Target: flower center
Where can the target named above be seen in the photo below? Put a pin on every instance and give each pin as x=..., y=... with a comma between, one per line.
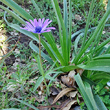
x=38, y=29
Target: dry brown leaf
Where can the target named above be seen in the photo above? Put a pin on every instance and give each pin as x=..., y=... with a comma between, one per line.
x=71, y=74
x=69, y=105
x=11, y=86
x=68, y=81
x=79, y=95
x=72, y=94
x=40, y=98
x=80, y=71
x=59, y=107
x=62, y=93
x=63, y=86
x=54, y=90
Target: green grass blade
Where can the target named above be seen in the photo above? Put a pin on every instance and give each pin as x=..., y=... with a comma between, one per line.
x=63, y=38
x=70, y=29
x=65, y=17
x=100, y=52
x=15, y=7
x=107, y=50
x=108, y=6
x=97, y=41
x=25, y=103
x=87, y=23
x=38, y=82
x=76, y=42
x=103, y=44
x=49, y=78
x=11, y=109
x=37, y=9
x=13, y=14
x=102, y=22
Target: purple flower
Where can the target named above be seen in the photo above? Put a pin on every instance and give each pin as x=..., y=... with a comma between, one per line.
x=39, y=26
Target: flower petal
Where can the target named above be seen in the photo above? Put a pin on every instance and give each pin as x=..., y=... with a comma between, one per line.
x=42, y=20
x=46, y=21
x=45, y=31
x=46, y=24
x=40, y=23
x=32, y=23
x=35, y=22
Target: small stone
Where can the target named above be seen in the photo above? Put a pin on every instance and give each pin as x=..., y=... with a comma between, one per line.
x=78, y=17
x=17, y=51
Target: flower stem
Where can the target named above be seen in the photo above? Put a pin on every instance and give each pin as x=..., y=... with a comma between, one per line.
x=41, y=65
x=40, y=49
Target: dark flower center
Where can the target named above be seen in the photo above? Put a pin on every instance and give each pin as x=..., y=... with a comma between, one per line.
x=38, y=29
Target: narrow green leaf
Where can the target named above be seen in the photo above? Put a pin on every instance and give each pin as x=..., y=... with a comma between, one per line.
x=100, y=76
x=36, y=49
x=63, y=38
x=88, y=22
x=13, y=14
x=101, y=23
x=90, y=95
x=27, y=33
x=15, y=7
x=49, y=77
x=82, y=31
x=107, y=50
x=25, y=103
x=67, y=68
x=54, y=48
x=84, y=92
x=54, y=76
x=99, y=103
x=37, y=9
x=38, y=82
x=11, y=109
x=108, y=7
x=103, y=44
x=100, y=51
x=97, y=65
x=65, y=16
x=40, y=65
x=70, y=29
x=76, y=42
x=104, y=56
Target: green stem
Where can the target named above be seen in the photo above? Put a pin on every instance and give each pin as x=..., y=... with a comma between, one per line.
x=41, y=64
x=40, y=49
